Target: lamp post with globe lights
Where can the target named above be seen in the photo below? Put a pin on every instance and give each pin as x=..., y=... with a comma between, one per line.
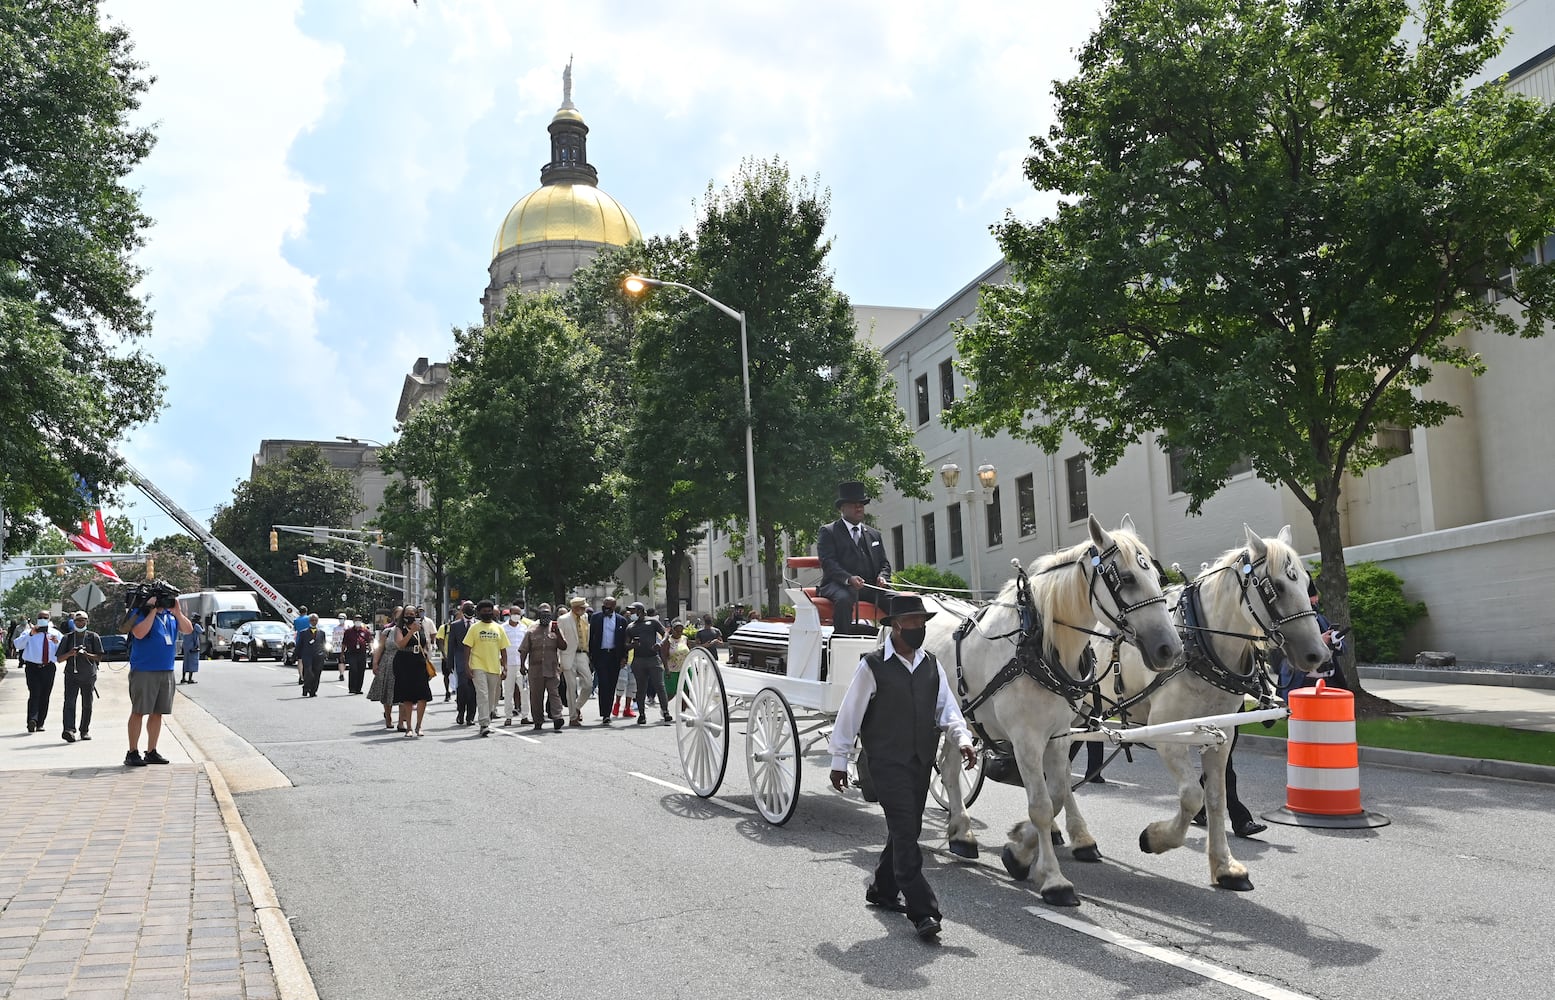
x=987, y=478
x=637, y=284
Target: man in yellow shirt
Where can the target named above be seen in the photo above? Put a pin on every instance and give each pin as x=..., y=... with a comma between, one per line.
x=487, y=645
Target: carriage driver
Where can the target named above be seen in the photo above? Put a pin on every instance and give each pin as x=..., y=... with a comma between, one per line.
x=853, y=562
x=896, y=704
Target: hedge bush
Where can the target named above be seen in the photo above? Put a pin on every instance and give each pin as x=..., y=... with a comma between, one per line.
x=1379, y=613
x=921, y=576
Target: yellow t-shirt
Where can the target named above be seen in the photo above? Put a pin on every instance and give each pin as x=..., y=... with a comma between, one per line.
x=486, y=640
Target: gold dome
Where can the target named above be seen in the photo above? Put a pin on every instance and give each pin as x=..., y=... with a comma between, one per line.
x=566, y=213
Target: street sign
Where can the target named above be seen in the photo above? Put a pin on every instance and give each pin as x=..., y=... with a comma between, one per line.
x=89, y=596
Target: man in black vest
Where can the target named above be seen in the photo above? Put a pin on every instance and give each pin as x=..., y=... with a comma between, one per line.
x=896, y=704
x=853, y=560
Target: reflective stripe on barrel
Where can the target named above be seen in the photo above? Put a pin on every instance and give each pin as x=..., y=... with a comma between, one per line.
x=1322, y=771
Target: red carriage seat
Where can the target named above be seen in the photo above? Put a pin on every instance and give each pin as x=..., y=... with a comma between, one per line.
x=865, y=611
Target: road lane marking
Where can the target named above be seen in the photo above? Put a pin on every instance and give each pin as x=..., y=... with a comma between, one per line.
x=1235, y=980
x=507, y=731
x=682, y=789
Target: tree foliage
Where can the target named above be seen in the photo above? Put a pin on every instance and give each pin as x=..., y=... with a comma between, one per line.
x=300, y=489
x=70, y=311
x=423, y=500
x=1275, y=220
x=543, y=481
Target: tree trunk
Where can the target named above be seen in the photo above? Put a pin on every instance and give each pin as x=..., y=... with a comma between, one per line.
x=1334, y=582
x=772, y=569
x=674, y=566
x=439, y=580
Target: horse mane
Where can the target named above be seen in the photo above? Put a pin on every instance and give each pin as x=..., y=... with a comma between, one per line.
x=1060, y=592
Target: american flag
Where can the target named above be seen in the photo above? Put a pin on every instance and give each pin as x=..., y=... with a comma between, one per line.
x=94, y=538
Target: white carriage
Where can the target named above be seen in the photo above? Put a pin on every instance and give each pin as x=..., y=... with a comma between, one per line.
x=784, y=683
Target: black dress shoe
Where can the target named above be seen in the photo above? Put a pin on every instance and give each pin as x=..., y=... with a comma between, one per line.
x=85, y=735
x=1251, y=828
x=152, y=757
x=1199, y=820
x=880, y=901
x=69, y=736
x=928, y=928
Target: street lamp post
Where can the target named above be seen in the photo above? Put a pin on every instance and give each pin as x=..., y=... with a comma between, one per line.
x=988, y=478
x=636, y=284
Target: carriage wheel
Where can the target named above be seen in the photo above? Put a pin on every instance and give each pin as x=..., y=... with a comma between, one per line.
x=772, y=756
x=971, y=781
x=702, y=723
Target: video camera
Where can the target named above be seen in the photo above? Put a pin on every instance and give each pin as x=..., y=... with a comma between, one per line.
x=163, y=593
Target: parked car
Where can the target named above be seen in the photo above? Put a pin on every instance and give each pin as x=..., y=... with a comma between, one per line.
x=261, y=640
x=115, y=646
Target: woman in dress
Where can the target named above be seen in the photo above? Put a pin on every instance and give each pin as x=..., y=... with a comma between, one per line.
x=411, y=686
x=382, y=689
x=677, y=648
x=190, y=645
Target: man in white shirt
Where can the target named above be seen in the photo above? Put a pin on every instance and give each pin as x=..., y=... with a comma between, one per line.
x=577, y=677
x=37, y=650
x=897, y=703
x=515, y=685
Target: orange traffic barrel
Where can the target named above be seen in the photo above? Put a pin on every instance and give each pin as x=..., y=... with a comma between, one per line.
x=1322, y=763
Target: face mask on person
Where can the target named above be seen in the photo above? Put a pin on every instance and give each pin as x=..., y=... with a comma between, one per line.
x=913, y=638
x=512, y=619
x=545, y=616
x=43, y=623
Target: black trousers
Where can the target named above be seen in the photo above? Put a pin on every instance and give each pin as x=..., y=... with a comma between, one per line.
x=844, y=603
x=40, y=687
x=312, y=667
x=464, y=698
x=903, y=790
x=1095, y=755
x=356, y=668
x=650, y=681
x=81, y=685
x=1235, y=810
x=607, y=673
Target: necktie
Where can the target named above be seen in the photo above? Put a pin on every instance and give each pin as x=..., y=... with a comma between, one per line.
x=46, y=660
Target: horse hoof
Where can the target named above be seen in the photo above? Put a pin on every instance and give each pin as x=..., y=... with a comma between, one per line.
x=1236, y=883
x=1018, y=871
x=964, y=849
x=1058, y=839
x=1144, y=841
x=1089, y=853
x=1065, y=896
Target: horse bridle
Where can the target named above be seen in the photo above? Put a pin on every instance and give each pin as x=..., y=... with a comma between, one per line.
x=1247, y=576
x=1105, y=569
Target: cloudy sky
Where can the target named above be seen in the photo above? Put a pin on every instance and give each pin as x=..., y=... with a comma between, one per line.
x=329, y=176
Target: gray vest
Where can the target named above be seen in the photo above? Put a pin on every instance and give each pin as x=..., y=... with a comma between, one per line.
x=900, y=723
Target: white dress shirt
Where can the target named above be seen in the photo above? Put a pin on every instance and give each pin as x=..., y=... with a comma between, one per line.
x=947, y=711
x=29, y=648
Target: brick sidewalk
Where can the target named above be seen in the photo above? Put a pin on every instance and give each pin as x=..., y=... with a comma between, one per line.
x=120, y=882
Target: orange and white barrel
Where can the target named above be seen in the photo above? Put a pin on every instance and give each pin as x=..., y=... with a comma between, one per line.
x=1322, y=762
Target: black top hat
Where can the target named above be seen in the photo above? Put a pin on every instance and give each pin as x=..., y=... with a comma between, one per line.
x=851, y=492
x=905, y=604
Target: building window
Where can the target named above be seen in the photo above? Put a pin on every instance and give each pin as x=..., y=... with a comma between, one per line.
x=1178, y=475
x=995, y=520
x=929, y=555
x=1396, y=440
x=716, y=601
x=739, y=579
x=726, y=587
x=1074, y=472
x=899, y=546
x=921, y=392
x=1026, y=500
x=947, y=384
x=953, y=525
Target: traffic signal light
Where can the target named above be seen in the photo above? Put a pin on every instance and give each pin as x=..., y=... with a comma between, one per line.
x=59, y=567
x=275, y=541
x=151, y=568
x=302, y=565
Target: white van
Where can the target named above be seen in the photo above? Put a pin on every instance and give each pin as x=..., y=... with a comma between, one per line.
x=221, y=612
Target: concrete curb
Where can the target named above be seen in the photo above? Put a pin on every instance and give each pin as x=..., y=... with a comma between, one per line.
x=293, y=981
x=1439, y=763
x=1432, y=675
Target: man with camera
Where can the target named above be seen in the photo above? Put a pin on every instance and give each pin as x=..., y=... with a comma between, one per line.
x=79, y=651
x=156, y=621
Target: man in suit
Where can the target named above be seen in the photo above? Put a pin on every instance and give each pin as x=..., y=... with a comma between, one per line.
x=897, y=703
x=310, y=654
x=577, y=680
x=607, y=646
x=853, y=561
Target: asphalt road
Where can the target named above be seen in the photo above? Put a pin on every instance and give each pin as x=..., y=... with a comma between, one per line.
x=458, y=867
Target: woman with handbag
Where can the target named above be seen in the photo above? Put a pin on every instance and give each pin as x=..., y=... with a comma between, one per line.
x=413, y=671
x=382, y=689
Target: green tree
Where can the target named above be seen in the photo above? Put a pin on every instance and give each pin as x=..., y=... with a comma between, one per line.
x=421, y=507
x=32, y=593
x=300, y=489
x=1276, y=219
x=823, y=408
x=542, y=482
x=70, y=311
x=671, y=455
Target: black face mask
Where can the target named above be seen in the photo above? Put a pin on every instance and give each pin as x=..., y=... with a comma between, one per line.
x=544, y=618
x=913, y=638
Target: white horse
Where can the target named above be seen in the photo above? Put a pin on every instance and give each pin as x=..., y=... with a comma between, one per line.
x=1039, y=626
x=1248, y=599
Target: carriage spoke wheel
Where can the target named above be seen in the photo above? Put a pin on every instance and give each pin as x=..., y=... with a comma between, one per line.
x=772, y=756
x=702, y=723
x=971, y=781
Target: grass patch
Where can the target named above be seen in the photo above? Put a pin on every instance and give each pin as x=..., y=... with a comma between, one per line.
x=1456, y=739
